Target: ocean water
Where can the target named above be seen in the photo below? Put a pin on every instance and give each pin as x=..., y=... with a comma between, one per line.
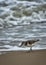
x=22, y=20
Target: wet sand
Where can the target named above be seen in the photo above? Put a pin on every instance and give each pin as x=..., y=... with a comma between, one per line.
x=24, y=58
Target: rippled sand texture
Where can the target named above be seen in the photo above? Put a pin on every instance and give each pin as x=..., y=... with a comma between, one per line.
x=22, y=20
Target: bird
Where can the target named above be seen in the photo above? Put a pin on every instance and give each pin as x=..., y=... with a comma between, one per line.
x=28, y=43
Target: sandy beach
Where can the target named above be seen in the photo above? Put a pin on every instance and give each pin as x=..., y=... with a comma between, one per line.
x=24, y=58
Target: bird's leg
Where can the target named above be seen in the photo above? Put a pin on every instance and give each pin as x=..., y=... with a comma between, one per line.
x=31, y=48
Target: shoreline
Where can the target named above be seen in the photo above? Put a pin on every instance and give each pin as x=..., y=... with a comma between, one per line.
x=24, y=58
